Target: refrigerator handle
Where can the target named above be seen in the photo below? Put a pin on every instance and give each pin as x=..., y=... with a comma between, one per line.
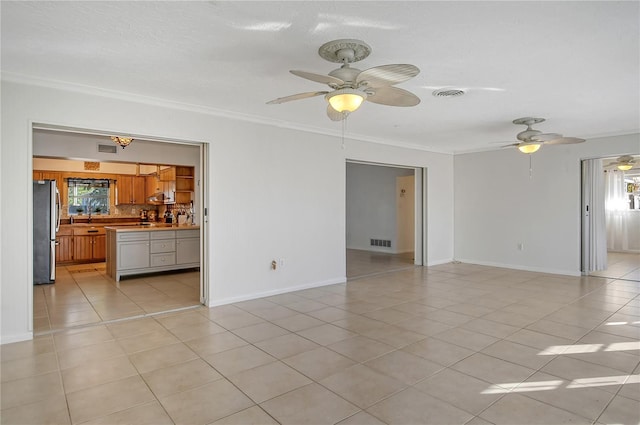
x=59, y=210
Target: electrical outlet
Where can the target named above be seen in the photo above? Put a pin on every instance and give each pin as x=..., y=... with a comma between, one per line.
x=281, y=262
x=520, y=246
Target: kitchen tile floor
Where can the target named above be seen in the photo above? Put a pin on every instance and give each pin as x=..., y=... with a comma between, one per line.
x=450, y=344
x=83, y=295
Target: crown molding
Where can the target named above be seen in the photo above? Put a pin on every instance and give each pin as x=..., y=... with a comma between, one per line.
x=201, y=109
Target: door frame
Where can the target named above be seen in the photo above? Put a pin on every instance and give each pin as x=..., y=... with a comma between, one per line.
x=420, y=214
x=201, y=193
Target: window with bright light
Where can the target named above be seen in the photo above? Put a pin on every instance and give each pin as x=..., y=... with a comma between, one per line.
x=88, y=196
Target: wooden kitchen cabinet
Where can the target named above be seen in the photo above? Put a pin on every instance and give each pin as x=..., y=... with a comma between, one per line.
x=99, y=248
x=50, y=175
x=168, y=174
x=82, y=248
x=153, y=185
x=130, y=190
x=177, y=183
x=185, y=184
x=64, y=245
x=89, y=244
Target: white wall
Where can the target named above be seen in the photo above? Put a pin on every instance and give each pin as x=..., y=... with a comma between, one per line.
x=274, y=193
x=498, y=206
x=371, y=205
x=62, y=144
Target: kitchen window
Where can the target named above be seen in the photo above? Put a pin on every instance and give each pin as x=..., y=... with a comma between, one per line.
x=88, y=196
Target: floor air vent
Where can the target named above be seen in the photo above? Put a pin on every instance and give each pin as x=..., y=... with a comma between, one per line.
x=107, y=148
x=381, y=242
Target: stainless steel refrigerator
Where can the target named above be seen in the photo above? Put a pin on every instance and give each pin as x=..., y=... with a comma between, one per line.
x=46, y=223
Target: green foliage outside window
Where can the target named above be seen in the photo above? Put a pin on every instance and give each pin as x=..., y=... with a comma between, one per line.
x=90, y=196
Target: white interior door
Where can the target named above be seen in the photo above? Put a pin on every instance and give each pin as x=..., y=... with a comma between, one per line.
x=594, y=230
x=405, y=214
x=204, y=223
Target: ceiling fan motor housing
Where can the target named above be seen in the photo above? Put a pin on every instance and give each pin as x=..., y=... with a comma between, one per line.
x=346, y=74
x=528, y=134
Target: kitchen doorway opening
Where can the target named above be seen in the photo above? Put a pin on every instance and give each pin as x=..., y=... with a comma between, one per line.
x=83, y=293
x=385, y=218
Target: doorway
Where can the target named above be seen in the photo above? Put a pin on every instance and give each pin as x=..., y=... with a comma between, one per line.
x=83, y=294
x=611, y=220
x=384, y=218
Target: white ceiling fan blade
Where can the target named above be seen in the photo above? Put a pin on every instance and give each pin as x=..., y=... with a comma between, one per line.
x=296, y=97
x=335, y=115
x=564, y=141
x=318, y=78
x=393, y=96
x=387, y=75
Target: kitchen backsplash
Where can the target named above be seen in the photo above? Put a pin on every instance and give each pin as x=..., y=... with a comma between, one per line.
x=118, y=210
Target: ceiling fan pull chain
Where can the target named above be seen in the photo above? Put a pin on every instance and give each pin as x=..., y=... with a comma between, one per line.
x=530, y=166
x=344, y=127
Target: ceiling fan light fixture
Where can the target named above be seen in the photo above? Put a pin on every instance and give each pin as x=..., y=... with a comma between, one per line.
x=625, y=167
x=122, y=141
x=346, y=100
x=529, y=147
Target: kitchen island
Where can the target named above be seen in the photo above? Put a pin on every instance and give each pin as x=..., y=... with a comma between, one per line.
x=151, y=248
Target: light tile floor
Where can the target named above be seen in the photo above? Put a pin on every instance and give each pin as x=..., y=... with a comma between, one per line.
x=621, y=265
x=83, y=294
x=451, y=344
x=366, y=263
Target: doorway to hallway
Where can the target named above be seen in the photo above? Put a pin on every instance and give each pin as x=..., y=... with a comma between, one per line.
x=384, y=218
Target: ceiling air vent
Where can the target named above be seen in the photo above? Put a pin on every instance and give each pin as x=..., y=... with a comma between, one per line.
x=448, y=92
x=107, y=148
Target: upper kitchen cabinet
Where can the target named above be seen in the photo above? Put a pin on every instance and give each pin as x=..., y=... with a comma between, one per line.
x=162, y=191
x=168, y=174
x=184, y=184
x=178, y=184
x=130, y=190
x=58, y=177
x=49, y=175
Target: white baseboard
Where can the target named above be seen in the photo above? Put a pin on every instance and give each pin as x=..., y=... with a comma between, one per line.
x=381, y=249
x=16, y=338
x=438, y=262
x=521, y=267
x=255, y=295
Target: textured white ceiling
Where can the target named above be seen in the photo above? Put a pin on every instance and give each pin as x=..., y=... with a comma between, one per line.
x=575, y=63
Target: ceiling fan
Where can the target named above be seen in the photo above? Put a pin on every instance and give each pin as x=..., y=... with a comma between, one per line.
x=531, y=140
x=350, y=86
x=624, y=163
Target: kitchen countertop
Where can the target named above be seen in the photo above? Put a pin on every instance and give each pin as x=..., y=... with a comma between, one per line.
x=138, y=227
